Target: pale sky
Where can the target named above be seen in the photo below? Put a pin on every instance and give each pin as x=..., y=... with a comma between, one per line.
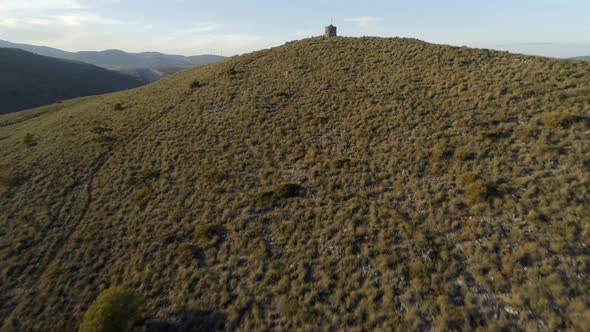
x=557, y=28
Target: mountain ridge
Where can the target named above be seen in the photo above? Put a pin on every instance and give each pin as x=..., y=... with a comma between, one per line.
x=158, y=64
x=29, y=80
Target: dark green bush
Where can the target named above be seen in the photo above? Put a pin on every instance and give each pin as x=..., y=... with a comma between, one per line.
x=115, y=309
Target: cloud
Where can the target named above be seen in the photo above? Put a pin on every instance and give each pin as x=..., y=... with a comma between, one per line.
x=21, y=5
x=84, y=18
x=54, y=21
x=366, y=22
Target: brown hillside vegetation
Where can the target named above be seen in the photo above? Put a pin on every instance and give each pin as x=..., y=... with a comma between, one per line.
x=346, y=183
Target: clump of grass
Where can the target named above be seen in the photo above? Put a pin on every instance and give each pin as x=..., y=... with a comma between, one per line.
x=101, y=130
x=464, y=154
x=187, y=253
x=280, y=192
x=29, y=140
x=475, y=189
x=141, y=197
x=115, y=309
x=558, y=119
x=209, y=233
x=341, y=163
x=13, y=180
x=142, y=177
x=440, y=152
x=104, y=139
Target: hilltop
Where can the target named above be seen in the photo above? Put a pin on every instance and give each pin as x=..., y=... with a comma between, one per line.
x=29, y=80
x=146, y=66
x=345, y=183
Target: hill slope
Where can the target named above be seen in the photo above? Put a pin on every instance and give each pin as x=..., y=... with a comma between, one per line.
x=328, y=183
x=29, y=80
x=584, y=57
x=147, y=66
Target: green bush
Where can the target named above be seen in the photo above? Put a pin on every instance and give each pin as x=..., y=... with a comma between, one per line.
x=115, y=309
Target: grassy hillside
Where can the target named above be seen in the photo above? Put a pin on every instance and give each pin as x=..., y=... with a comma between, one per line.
x=29, y=80
x=328, y=183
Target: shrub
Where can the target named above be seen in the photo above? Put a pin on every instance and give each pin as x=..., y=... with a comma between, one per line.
x=29, y=140
x=232, y=71
x=196, y=84
x=119, y=107
x=115, y=309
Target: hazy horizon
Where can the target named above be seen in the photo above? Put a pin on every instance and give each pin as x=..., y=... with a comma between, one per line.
x=548, y=27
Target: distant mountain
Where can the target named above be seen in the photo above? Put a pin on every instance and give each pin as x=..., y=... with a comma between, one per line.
x=29, y=80
x=587, y=57
x=147, y=66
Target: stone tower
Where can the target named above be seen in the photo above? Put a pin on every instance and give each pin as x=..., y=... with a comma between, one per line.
x=330, y=31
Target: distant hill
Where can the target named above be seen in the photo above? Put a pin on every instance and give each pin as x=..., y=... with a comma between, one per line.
x=147, y=66
x=29, y=80
x=587, y=57
x=344, y=184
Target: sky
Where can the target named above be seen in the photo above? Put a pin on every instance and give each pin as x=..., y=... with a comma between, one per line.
x=555, y=28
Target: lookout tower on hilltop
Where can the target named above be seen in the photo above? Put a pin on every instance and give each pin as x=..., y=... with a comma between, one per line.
x=331, y=31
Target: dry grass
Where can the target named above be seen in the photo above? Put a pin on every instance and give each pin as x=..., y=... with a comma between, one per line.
x=349, y=184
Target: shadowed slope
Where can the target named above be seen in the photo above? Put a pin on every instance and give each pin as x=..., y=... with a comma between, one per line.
x=325, y=183
x=29, y=80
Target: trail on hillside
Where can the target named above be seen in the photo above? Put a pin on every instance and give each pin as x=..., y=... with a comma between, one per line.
x=95, y=167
